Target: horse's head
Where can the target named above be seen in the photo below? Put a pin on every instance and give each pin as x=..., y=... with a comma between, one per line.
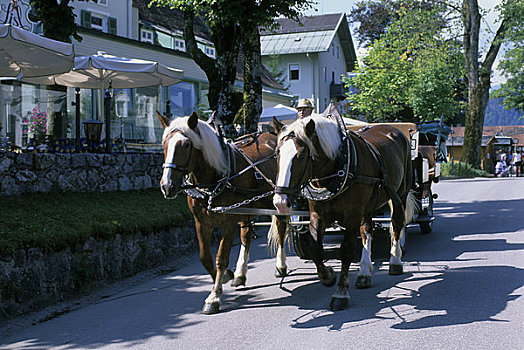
x=293, y=164
x=178, y=151
x=302, y=146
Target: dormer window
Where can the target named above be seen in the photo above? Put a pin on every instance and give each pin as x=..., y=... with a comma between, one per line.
x=97, y=21
x=180, y=45
x=146, y=36
x=210, y=52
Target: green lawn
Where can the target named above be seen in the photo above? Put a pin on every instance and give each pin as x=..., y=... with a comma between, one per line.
x=59, y=220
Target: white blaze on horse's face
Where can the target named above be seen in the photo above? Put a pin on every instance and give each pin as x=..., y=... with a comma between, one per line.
x=288, y=151
x=166, y=181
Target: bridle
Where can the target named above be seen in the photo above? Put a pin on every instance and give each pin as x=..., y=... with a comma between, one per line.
x=183, y=169
x=292, y=191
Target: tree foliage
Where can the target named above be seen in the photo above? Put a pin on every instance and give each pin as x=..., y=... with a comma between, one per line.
x=410, y=72
x=374, y=17
x=512, y=91
x=234, y=24
x=58, y=19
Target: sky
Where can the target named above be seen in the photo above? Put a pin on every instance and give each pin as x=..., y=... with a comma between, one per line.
x=337, y=6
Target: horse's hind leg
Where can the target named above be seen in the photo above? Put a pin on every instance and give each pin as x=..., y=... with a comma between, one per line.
x=396, y=230
x=366, y=266
x=246, y=235
x=212, y=303
x=340, y=299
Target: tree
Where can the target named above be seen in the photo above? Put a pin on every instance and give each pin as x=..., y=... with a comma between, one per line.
x=411, y=73
x=479, y=78
x=233, y=24
x=512, y=91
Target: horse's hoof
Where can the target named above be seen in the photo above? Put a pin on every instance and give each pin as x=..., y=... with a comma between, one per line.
x=238, y=281
x=280, y=272
x=228, y=276
x=211, y=308
x=395, y=269
x=331, y=280
x=338, y=303
x=363, y=282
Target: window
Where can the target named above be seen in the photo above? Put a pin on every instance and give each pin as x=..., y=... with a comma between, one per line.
x=210, y=52
x=180, y=45
x=333, y=49
x=325, y=74
x=294, y=72
x=332, y=77
x=146, y=36
x=97, y=21
x=102, y=2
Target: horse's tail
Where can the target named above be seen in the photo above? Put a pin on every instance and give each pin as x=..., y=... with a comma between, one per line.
x=272, y=235
x=411, y=208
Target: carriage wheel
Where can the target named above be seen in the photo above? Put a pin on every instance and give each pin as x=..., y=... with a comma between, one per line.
x=427, y=226
x=301, y=239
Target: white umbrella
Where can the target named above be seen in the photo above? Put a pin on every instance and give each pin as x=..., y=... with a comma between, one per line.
x=25, y=54
x=279, y=111
x=103, y=71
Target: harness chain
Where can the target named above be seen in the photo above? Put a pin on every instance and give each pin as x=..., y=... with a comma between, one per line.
x=203, y=190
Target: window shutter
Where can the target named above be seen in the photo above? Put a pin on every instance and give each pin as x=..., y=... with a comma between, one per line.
x=85, y=19
x=111, y=25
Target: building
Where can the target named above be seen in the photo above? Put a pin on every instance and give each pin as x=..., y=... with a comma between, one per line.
x=126, y=28
x=494, y=138
x=314, y=56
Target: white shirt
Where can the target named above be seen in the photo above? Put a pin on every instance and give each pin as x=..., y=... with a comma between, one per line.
x=517, y=157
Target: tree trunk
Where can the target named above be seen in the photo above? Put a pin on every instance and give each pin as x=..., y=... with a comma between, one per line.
x=220, y=72
x=252, y=107
x=479, y=80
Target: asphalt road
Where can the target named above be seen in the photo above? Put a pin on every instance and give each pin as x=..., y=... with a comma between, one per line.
x=461, y=289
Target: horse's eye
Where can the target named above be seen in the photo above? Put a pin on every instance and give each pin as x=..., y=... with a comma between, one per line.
x=185, y=145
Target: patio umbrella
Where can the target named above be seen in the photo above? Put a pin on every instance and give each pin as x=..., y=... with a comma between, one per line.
x=25, y=54
x=104, y=71
x=279, y=111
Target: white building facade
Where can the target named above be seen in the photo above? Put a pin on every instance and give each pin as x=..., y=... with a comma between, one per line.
x=313, y=56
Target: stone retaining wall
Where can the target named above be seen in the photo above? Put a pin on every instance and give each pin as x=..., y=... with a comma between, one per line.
x=32, y=279
x=79, y=172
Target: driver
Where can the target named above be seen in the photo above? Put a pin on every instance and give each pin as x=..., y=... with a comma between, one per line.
x=304, y=108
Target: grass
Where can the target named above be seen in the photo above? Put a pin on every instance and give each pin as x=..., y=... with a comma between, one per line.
x=462, y=170
x=57, y=221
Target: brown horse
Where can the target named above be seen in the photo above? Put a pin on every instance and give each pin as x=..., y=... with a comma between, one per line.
x=347, y=179
x=222, y=175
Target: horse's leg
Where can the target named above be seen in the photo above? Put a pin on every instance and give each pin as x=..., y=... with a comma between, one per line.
x=204, y=235
x=282, y=229
x=246, y=234
x=366, y=266
x=278, y=229
x=212, y=303
x=396, y=230
x=315, y=250
x=340, y=299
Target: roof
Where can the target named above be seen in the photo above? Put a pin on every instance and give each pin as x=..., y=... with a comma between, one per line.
x=313, y=34
x=172, y=19
x=265, y=75
x=515, y=132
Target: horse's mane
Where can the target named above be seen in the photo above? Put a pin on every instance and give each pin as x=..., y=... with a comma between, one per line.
x=204, y=140
x=326, y=129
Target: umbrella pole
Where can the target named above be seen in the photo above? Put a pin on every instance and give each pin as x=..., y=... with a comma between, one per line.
x=107, y=116
x=77, y=119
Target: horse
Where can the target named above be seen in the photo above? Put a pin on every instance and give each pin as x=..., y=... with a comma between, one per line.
x=193, y=148
x=346, y=177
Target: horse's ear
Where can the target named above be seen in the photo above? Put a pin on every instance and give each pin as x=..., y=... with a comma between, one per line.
x=277, y=125
x=163, y=120
x=310, y=128
x=192, y=121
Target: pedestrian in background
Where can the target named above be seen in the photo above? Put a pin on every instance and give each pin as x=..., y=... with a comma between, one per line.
x=517, y=162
